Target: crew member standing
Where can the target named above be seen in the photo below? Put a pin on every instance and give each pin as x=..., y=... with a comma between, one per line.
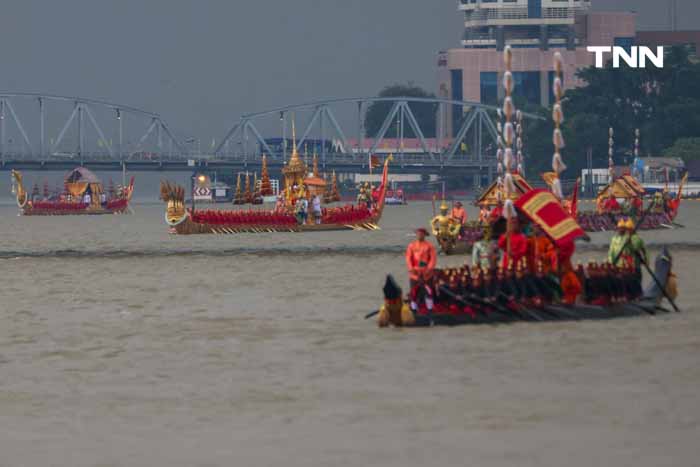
x=618, y=251
x=459, y=214
x=611, y=206
x=316, y=203
x=483, y=215
x=570, y=283
x=518, y=245
x=485, y=251
x=421, y=259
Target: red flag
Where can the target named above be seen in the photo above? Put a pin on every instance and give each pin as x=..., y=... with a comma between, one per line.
x=573, y=209
x=545, y=210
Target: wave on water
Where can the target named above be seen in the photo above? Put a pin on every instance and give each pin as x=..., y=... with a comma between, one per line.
x=300, y=251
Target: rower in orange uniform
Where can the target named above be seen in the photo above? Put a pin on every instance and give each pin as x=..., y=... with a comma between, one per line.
x=458, y=213
x=540, y=251
x=570, y=283
x=518, y=245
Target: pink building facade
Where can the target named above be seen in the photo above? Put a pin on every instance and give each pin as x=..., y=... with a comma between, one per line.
x=475, y=71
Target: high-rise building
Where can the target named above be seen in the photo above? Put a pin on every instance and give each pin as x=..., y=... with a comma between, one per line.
x=535, y=29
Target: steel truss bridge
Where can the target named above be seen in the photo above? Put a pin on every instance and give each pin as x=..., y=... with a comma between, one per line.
x=151, y=145
x=80, y=130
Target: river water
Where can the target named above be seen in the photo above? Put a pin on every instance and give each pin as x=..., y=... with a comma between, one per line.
x=122, y=345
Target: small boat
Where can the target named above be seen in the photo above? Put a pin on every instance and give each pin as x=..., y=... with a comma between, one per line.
x=396, y=311
x=395, y=197
x=455, y=242
x=660, y=214
x=83, y=194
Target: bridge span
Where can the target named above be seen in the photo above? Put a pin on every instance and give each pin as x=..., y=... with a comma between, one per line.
x=48, y=132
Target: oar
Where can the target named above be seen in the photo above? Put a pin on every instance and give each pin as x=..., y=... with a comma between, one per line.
x=657, y=282
x=374, y=313
x=524, y=310
x=497, y=309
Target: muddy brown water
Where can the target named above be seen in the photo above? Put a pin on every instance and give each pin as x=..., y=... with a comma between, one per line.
x=121, y=345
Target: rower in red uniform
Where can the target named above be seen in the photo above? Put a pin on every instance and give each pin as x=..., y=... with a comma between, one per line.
x=518, y=245
x=637, y=205
x=611, y=205
x=496, y=212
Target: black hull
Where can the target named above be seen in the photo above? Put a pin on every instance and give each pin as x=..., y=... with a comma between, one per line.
x=552, y=313
x=485, y=313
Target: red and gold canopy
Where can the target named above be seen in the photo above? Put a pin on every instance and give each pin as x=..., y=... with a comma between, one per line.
x=545, y=210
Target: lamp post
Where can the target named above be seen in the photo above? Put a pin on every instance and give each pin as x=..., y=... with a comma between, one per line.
x=200, y=179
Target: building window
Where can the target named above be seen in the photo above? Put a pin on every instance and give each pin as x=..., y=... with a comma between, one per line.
x=626, y=42
x=534, y=8
x=489, y=88
x=457, y=95
x=527, y=85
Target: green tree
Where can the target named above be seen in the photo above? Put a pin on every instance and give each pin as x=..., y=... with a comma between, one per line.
x=687, y=149
x=425, y=112
x=663, y=103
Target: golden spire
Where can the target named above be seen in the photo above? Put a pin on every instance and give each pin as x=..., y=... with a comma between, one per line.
x=265, y=188
x=238, y=196
x=335, y=195
x=296, y=166
x=248, y=194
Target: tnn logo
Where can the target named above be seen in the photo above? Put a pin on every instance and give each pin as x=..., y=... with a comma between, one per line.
x=636, y=58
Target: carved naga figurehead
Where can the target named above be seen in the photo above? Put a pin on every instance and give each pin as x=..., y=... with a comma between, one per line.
x=21, y=193
x=174, y=197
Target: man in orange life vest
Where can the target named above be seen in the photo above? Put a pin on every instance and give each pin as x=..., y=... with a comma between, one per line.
x=421, y=259
x=458, y=213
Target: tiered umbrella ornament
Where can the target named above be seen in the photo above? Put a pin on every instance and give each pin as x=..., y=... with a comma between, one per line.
x=508, y=136
x=519, y=143
x=558, y=165
x=611, y=151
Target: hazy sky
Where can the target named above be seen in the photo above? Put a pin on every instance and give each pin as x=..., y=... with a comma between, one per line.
x=203, y=63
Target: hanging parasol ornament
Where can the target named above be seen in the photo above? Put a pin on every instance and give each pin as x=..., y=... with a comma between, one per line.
x=508, y=132
x=558, y=165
